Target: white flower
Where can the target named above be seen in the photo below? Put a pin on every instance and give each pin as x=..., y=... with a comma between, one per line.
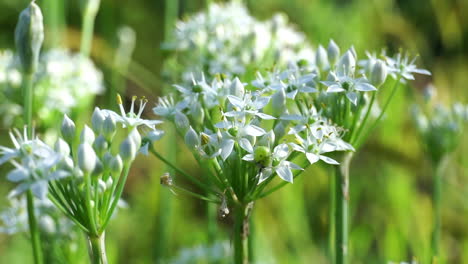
x=276, y=163
x=132, y=119
x=34, y=164
x=347, y=83
x=248, y=105
x=404, y=67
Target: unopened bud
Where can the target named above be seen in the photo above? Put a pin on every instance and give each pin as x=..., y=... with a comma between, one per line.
x=333, y=52
x=116, y=165
x=68, y=129
x=29, y=35
x=321, y=58
x=237, y=88
x=191, y=139
x=97, y=120
x=87, y=135
x=223, y=208
x=128, y=150
x=86, y=158
x=181, y=121
x=379, y=73
x=100, y=145
x=278, y=101
x=62, y=147
x=347, y=63
x=109, y=127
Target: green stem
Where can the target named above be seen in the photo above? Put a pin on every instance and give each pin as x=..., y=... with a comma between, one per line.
x=89, y=208
x=117, y=195
x=189, y=177
x=341, y=209
x=331, y=216
x=360, y=139
x=33, y=229
x=437, y=206
x=87, y=32
x=355, y=134
x=97, y=249
x=241, y=233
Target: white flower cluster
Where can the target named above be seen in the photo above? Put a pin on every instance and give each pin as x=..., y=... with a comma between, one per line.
x=81, y=161
x=227, y=39
x=64, y=83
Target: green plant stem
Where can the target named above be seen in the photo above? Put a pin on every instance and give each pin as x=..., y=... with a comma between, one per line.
x=341, y=209
x=361, y=138
x=118, y=194
x=331, y=216
x=28, y=94
x=437, y=206
x=87, y=32
x=33, y=229
x=27, y=108
x=97, y=249
x=241, y=232
x=364, y=121
x=189, y=177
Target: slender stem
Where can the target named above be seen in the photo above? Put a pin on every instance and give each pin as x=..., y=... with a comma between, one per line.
x=28, y=94
x=33, y=229
x=117, y=195
x=331, y=216
x=356, y=135
x=437, y=206
x=341, y=207
x=241, y=233
x=89, y=207
x=97, y=249
x=360, y=138
x=189, y=177
x=87, y=32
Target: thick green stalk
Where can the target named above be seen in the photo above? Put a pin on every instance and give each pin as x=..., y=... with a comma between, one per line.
x=97, y=249
x=28, y=94
x=87, y=32
x=241, y=233
x=437, y=206
x=341, y=207
x=33, y=230
x=54, y=16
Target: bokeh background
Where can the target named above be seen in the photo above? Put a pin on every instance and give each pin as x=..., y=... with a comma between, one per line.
x=390, y=178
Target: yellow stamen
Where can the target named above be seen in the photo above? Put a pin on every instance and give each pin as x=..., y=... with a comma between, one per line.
x=119, y=99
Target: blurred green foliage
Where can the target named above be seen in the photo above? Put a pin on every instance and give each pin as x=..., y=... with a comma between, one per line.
x=390, y=178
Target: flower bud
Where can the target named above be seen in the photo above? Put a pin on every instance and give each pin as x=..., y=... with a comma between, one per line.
x=191, y=139
x=86, y=158
x=237, y=88
x=87, y=135
x=100, y=145
x=97, y=120
x=116, y=165
x=128, y=149
x=321, y=58
x=278, y=101
x=68, y=129
x=62, y=147
x=29, y=35
x=98, y=169
x=106, y=160
x=66, y=164
x=262, y=155
x=197, y=114
x=181, y=121
x=379, y=73
x=347, y=63
x=333, y=52
x=135, y=136
x=109, y=128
